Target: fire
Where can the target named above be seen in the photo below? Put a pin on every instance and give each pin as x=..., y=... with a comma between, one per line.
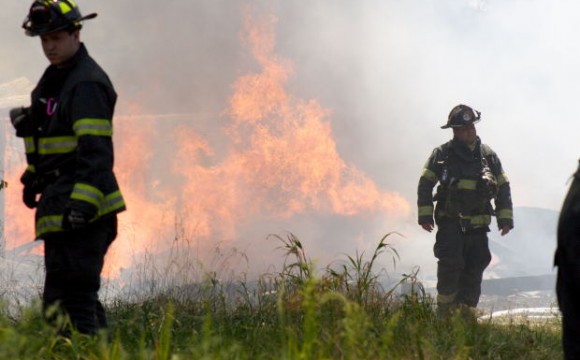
x=275, y=159
x=285, y=145
x=19, y=220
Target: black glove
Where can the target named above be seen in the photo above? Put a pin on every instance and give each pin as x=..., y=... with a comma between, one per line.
x=29, y=197
x=74, y=220
x=18, y=114
x=20, y=119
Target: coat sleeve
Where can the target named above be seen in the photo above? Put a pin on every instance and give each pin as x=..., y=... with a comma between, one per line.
x=429, y=178
x=568, y=251
x=503, y=201
x=92, y=108
x=21, y=119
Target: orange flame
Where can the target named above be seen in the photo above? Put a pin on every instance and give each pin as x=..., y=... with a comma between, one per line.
x=280, y=160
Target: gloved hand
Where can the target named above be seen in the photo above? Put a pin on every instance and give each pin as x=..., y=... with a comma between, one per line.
x=18, y=114
x=20, y=120
x=29, y=197
x=74, y=220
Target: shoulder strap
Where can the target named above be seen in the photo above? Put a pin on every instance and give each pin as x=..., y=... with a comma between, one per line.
x=485, y=150
x=443, y=164
x=445, y=150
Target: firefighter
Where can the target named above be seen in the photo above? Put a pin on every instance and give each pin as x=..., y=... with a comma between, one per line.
x=469, y=176
x=67, y=132
x=567, y=259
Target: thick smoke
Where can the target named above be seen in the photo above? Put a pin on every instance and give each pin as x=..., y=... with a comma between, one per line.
x=388, y=72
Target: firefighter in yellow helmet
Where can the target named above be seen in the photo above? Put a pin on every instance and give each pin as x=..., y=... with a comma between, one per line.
x=67, y=132
x=470, y=177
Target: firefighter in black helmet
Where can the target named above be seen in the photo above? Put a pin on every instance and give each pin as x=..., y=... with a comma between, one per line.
x=48, y=16
x=470, y=177
x=67, y=132
x=567, y=259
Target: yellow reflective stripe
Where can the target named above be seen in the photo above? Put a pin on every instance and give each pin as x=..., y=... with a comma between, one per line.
x=446, y=299
x=104, y=203
x=99, y=127
x=88, y=193
x=113, y=202
x=64, y=8
x=429, y=175
x=29, y=145
x=57, y=145
x=426, y=210
x=53, y=223
x=48, y=224
x=467, y=184
x=505, y=214
x=479, y=219
x=502, y=179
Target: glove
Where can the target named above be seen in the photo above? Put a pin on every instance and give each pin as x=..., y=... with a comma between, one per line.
x=19, y=118
x=74, y=220
x=29, y=197
x=18, y=114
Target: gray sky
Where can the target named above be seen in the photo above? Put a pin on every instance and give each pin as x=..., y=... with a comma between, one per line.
x=388, y=72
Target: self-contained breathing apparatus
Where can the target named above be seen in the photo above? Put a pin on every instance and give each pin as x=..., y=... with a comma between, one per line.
x=460, y=198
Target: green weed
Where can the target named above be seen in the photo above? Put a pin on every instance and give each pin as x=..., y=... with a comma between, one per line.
x=289, y=314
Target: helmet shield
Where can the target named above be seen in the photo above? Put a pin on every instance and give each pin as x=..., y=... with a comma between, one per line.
x=461, y=115
x=46, y=16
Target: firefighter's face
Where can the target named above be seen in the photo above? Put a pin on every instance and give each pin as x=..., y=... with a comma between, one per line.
x=60, y=46
x=466, y=134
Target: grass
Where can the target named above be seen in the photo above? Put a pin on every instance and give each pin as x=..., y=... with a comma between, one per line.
x=295, y=313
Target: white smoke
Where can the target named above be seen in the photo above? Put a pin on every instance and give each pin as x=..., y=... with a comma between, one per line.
x=389, y=71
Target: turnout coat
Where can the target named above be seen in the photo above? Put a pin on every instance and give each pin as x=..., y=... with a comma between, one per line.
x=68, y=141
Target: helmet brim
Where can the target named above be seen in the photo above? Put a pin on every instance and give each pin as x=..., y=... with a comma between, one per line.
x=88, y=17
x=43, y=31
x=447, y=126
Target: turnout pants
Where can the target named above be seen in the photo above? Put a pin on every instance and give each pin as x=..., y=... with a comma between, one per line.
x=463, y=256
x=74, y=261
x=568, y=261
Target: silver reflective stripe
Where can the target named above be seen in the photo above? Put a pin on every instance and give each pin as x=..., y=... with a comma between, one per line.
x=57, y=145
x=105, y=204
x=467, y=184
x=502, y=179
x=479, y=219
x=429, y=175
x=29, y=145
x=98, y=127
x=113, y=202
x=48, y=224
x=505, y=214
x=426, y=210
x=88, y=193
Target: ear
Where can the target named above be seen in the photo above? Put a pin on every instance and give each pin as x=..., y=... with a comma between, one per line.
x=76, y=35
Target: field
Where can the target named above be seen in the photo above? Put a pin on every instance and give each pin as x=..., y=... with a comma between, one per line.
x=293, y=314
